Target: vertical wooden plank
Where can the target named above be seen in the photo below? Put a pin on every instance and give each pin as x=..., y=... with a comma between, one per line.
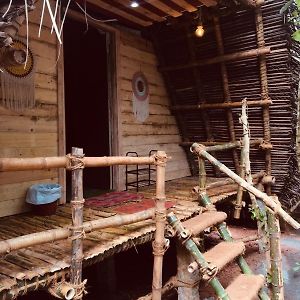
x=61, y=115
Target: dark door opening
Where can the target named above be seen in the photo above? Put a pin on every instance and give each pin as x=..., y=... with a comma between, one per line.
x=86, y=99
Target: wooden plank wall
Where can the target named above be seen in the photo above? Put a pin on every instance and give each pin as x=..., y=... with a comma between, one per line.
x=34, y=131
x=159, y=131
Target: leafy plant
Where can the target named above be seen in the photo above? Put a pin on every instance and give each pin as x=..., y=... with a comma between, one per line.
x=292, y=10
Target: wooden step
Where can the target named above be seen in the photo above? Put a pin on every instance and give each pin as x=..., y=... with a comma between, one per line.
x=245, y=287
x=224, y=253
x=207, y=219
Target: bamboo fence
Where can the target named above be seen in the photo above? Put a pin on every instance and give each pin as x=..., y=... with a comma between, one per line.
x=76, y=162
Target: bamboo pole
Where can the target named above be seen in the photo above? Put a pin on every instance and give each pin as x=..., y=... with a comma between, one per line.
x=226, y=91
x=53, y=235
x=202, y=174
x=256, y=176
x=189, y=289
x=77, y=221
x=225, y=105
x=238, y=205
x=275, y=257
x=159, y=244
x=40, y=163
x=260, y=210
x=219, y=59
x=264, y=90
x=200, y=151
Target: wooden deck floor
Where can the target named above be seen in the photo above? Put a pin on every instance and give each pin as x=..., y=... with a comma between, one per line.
x=30, y=265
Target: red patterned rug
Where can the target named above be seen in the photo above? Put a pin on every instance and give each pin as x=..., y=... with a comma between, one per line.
x=112, y=199
x=130, y=208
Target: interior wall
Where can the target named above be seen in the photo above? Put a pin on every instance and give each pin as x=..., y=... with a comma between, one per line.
x=159, y=131
x=33, y=132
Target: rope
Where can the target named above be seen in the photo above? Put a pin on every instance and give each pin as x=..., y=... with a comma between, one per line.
x=74, y=162
x=160, y=160
x=191, y=285
x=159, y=249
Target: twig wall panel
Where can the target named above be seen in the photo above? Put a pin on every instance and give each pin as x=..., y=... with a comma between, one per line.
x=238, y=31
x=32, y=132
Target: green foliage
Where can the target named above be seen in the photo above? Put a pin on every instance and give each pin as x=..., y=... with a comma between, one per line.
x=257, y=214
x=292, y=11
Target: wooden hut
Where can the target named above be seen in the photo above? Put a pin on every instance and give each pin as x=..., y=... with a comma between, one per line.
x=130, y=78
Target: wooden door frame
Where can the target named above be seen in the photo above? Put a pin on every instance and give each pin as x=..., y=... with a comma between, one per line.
x=113, y=42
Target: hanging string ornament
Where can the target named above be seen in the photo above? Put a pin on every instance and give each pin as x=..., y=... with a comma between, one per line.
x=17, y=78
x=140, y=96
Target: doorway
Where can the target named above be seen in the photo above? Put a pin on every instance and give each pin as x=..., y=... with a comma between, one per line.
x=87, y=121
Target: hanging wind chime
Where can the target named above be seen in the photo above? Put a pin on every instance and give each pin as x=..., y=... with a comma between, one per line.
x=140, y=96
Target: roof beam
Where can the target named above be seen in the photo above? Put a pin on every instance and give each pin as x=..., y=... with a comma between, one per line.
x=119, y=12
x=144, y=10
x=165, y=8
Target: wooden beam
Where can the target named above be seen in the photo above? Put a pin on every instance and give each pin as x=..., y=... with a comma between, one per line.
x=153, y=9
x=186, y=5
x=119, y=13
x=209, y=3
x=144, y=10
x=219, y=59
x=126, y=8
x=167, y=9
x=173, y=5
x=109, y=14
x=224, y=105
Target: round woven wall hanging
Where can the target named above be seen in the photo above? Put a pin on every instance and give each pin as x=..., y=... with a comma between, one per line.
x=140, y=96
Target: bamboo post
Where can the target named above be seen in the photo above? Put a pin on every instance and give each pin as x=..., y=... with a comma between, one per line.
x=275, y=257
x=160, y=243
x=264, y=90
x=226, y=91
x=208, y=271
x=275, y=206
x=240, y=192
x=202, y=174
x=77, y=221
x=188, y=288
x=260, y=210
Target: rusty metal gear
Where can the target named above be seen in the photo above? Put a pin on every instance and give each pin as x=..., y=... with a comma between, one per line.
x=21, y=70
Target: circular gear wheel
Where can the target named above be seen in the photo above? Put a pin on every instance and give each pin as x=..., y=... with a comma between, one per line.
x=21, y=71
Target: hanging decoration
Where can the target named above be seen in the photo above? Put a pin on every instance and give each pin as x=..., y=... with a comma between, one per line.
x=140, y=96
x=17, y=78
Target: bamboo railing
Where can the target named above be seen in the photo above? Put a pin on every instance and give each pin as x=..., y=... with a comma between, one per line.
x=200, y=151
x=76, y=162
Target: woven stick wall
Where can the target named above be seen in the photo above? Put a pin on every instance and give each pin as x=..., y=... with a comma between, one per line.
x=176, y=46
